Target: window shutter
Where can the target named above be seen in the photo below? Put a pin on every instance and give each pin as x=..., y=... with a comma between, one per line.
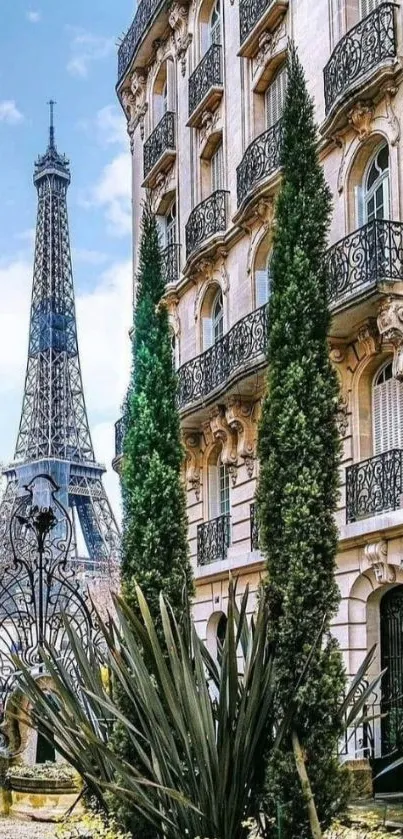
x=217, y=179
x=360, y=213
x=275, y=97
x=387, y=407
x=261, y=287
x=171, y=87
x=207, y=333
x=213, y=492
x=368, y=6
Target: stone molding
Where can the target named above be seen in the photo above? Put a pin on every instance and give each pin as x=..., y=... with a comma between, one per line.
x=390, y=325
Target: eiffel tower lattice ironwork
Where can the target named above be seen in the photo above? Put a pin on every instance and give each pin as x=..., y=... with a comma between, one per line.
x=54, y=436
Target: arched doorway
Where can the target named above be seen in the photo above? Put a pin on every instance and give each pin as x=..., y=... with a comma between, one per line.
x=391, y=634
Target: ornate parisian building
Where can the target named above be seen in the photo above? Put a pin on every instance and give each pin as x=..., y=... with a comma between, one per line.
x=202, y=84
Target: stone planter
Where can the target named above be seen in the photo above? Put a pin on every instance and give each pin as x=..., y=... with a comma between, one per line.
x=42, y=799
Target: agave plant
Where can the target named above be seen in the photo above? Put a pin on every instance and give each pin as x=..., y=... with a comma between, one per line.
x=202, y=722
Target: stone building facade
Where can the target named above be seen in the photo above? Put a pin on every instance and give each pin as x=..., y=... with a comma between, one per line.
x=202, y=85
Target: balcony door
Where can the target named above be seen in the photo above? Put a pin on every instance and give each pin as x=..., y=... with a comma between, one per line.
x=387, y=411
x=215, y=24
x=170, y=226
x=275, y=98
x=263, y=284
x=219, y=490
x=376, y=187
x=217, y=169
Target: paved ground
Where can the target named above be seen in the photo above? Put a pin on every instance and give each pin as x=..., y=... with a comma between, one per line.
x=13, y=829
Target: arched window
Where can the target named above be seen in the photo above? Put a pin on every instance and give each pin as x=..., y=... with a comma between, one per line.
x=275, y=98
x=221, y=629
x=263, y=284
x=387, y=411
x=215, y=24
x=376, y=187
x=170, y=225
x=219, y=489
x=213, y=324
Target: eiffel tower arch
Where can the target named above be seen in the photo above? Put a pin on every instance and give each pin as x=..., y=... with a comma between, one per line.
x=54, y=437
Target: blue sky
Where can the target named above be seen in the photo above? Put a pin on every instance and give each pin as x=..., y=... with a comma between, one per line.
x=66, y=49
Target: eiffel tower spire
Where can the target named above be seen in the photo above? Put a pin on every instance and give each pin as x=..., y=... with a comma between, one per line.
x=54, y=436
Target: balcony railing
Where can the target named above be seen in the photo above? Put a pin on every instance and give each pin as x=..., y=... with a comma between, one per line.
x=171, y=263
x=161, y=140
x=207, y=74
x=254, y=528
x=372, y=254
x=260, y=160
x=364, y=47
x=145, y=12
x=247, y=340
x=213, y=539
x=250, y=11
x=374, y=486
x=119, y=436
x=207, y=218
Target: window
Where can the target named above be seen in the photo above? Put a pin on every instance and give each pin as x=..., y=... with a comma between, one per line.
x=215, y=24
x=217, y=175
x=275, y=98
x=219, y=490
x=262, y=284
x=170, y=226
x=368, y=6
x=387, y=411
x=213, y=324
x=373, y=195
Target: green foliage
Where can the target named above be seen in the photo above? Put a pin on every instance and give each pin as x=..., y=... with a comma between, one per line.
x=43, y=771
x=201, y=723
x=299, y=456
x=155, y=548
x=90, y=826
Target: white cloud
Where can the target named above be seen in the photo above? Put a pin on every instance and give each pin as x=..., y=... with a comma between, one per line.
x=111, y=125
x=9, y=112
x=34, y=17
x=113, y=193
x=27, y=235
x=89, y=257
x=86, y=48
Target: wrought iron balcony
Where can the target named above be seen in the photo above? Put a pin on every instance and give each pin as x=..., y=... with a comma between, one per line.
x=213, y=539
x=260, y=160
x=246, y=341
x=362, y=50
x=171, y=263
x=252, y=11
x=160, y=143
x=144, y=14
x=207, y=218
x=360, y=261
x=374, y=486
x=254, y=528
x=119, y=436
x=206, y=78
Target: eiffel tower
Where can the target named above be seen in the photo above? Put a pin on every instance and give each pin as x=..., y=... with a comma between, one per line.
x=54, y=437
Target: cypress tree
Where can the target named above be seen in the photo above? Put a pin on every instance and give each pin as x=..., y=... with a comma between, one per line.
x=155, y=547
x=299, y=453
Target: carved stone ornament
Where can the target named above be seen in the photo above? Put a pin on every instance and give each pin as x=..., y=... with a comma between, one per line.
x=342, y=416
x=268, y=43
x=209, y=123
x=181, y=38
x=240, y=418
x=134, y=103
x=337, y=351
x=165, y=182
x=393, y=121
x=368, y=335
x=221, y=431
x=375, y=557
x=390, y=325
x=192, y=442
x=360, y=117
